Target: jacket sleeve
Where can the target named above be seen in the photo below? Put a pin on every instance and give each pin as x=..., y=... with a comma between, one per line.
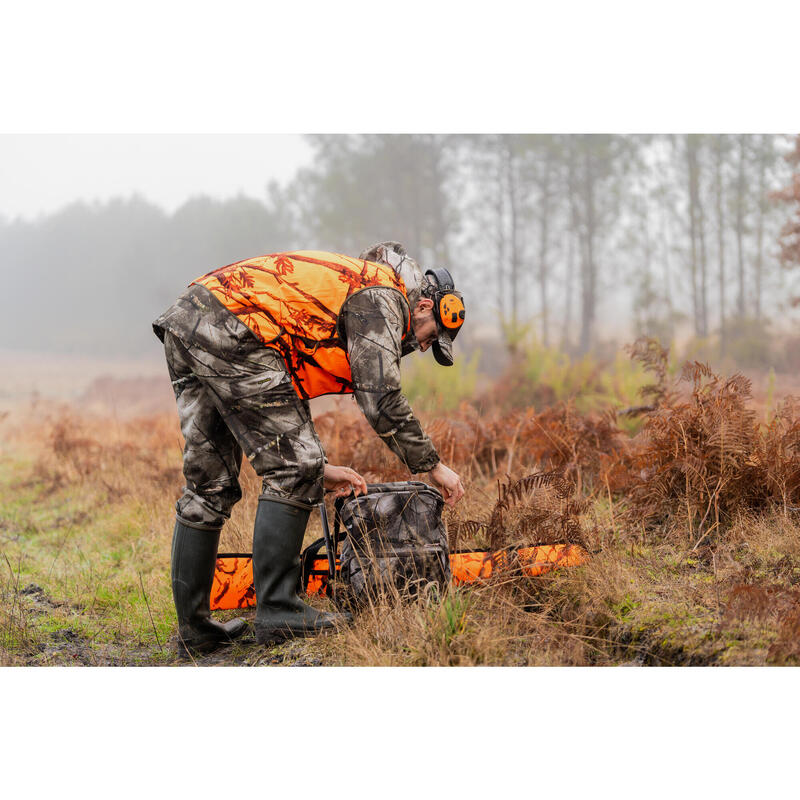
x=373, y=322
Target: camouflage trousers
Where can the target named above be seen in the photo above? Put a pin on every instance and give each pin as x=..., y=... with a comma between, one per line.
x=230, y=407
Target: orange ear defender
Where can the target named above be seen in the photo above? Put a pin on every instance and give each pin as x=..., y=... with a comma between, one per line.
x=451, y=311
x=448, y=305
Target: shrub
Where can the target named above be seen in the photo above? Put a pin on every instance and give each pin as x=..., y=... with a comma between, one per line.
x=428, y=385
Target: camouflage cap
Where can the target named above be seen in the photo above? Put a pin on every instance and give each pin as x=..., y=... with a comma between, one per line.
x=393, y=254
x=437, y=284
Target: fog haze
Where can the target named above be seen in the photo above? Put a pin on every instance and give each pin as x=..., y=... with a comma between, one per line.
x=578, y=242
x=40, y=174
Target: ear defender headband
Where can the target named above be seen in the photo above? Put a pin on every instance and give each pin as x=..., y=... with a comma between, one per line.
x=448, y=307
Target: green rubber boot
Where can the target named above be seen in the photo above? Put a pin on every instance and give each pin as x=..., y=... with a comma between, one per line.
x=277, y=539
x=194, y=556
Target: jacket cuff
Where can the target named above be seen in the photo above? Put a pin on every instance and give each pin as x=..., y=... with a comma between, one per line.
x=425, y=466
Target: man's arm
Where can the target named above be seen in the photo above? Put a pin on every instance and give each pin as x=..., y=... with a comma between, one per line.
x=374, y=320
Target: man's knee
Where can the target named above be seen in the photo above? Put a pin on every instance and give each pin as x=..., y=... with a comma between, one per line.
x=207, y=508
x=311, y=474
x=297, y=478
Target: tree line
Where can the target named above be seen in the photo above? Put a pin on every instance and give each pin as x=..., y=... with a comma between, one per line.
x=549, y=235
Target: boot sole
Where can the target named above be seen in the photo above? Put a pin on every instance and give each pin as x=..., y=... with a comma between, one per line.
x=188, y=650
x=272, y=636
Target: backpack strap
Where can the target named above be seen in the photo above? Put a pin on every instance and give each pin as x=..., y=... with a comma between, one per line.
x=307, y=571
x=329, y=546
x=337, y=520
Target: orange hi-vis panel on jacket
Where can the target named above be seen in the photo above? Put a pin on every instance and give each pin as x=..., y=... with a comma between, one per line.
x=291, y=302
x=233, y=579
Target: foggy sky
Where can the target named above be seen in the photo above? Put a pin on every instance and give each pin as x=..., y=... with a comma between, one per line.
x=42, y=173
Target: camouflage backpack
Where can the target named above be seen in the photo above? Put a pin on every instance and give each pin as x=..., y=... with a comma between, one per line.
x=396, y=542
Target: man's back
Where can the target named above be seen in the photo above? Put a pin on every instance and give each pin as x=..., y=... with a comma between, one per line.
x=289, y=302
x=298, y=293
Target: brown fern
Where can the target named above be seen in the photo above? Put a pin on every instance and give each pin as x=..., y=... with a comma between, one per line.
x=535, y=509
x=654, y=358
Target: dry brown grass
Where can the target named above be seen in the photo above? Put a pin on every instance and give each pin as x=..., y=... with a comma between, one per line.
x=696, y=553
x=497, y=622
x=122, y=460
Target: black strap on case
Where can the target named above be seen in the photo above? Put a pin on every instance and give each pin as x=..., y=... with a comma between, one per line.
x=307, y=571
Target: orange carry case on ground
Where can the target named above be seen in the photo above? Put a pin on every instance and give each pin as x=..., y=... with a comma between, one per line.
x=233, y=580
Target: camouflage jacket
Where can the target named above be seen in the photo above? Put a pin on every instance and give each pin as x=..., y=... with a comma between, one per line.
x=371, y=324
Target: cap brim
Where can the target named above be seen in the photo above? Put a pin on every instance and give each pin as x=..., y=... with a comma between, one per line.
x=443, y=350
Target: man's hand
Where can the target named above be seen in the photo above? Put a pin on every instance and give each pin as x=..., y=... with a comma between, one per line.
x=341, y=480
x=449, y=482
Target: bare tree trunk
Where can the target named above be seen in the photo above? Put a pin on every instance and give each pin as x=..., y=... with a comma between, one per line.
x=575, y=240
x=648, y=311
x=697, y=234
x=416, y=203
x=667, y=269
x=566, y=338
x=588, y=271
x=499, y=209
x=718, y=186
x=544, y=221
x=740, y=302
x=762, y=191
x=691, y=159
x=513, y=205
x=439, y=233
x=701, y=227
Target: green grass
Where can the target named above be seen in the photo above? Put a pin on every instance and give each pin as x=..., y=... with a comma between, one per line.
x=102, y=567
x=93, y=561
x=448, y=618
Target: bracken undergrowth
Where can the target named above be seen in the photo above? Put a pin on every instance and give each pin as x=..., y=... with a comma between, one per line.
x=686, y=501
